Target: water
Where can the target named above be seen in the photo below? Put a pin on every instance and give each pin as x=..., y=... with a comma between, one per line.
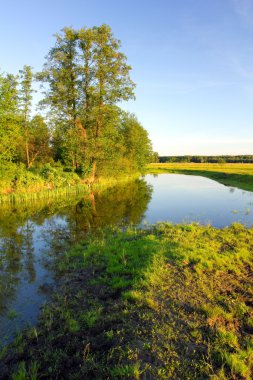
x=181, y=198
x=33, y=238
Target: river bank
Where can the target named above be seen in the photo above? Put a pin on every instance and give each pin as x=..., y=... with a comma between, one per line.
x=236, y=175
x=19, y=185
x=160, y=303
x=27, y=187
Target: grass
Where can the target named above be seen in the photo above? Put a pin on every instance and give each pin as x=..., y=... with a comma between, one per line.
x=33, y=187
x=168, y=302
x=64, y=192
x=237, y=175
x=43, y=195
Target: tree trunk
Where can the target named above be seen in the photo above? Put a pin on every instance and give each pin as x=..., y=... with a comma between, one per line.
x=93, y=171
x=26, y=144
x=27, y=154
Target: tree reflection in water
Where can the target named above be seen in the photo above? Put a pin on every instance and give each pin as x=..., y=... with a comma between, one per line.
x=34, y=236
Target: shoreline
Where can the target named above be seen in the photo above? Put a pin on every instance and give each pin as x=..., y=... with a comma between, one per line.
x=233, y=175
x=171, y=301
x=239, y=177
x=62, y=192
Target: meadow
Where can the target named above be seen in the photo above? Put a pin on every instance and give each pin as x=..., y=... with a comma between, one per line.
x=168, y=302
x=164, y=302
x=237, y=175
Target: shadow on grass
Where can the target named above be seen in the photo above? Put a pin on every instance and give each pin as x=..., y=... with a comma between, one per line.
x=163, y=303
x=242, y=181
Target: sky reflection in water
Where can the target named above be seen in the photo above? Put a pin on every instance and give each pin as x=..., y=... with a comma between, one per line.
x=33, y=238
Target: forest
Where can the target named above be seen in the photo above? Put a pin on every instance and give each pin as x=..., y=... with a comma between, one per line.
x=80, y=131
x=243, y=159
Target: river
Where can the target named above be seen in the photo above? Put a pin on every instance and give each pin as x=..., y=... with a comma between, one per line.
x=34, y=237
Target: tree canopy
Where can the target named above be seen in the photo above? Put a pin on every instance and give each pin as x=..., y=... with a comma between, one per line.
x=84, y=78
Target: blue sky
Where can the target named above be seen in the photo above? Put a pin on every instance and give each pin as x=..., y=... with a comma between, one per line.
x=192, y=63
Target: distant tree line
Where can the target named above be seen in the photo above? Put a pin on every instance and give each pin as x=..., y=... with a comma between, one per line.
x=84, y=78
x=208, y=159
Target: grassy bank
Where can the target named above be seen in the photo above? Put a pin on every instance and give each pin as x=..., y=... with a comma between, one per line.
x=20, y=186
x=171, y=302
x=237, y=175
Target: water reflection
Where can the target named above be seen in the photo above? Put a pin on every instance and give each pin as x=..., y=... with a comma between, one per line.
x=32, y=237
x=181, y=198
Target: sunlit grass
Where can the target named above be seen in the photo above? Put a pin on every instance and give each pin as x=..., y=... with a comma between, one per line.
x=224, y=167
x=171, y=301
x=238, y=175
x=26, y=197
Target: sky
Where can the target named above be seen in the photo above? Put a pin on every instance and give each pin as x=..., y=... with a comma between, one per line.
x=192, y=62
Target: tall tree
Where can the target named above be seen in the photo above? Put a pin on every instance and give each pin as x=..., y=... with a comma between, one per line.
x=86, y=65
x=86, y=74
x=39, y=139
x=138, y=148
x=60, y=75
x=10, y=137
x=112, y=82
x=25, y=100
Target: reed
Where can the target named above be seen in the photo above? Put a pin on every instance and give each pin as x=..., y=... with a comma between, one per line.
x=64, y=192
x=44, y=195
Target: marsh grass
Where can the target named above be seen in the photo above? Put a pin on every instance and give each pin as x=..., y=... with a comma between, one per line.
x=43, y=195
x=237, y=175
x=27, y=196
x=168, y=302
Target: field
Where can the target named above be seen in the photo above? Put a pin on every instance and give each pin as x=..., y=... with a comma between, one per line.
x=237, y=175
x=170, y=302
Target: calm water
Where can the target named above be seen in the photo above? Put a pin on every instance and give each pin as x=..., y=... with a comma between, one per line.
x=181, y=198
x=32, y=239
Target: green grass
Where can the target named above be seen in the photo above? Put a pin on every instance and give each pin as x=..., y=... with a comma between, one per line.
x=43, y=195
x=237, y=175
x=170, y=302
x=65, y=192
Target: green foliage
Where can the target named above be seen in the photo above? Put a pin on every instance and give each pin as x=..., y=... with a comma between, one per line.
x=138, y=149
x=246, y=158
x=21, y=373
x=73, y=325
x=25, y=103
x=91, y=317
x=17, y=179
x=85, y=76
x=57, y=177
x=39, y=140
x=10, y=134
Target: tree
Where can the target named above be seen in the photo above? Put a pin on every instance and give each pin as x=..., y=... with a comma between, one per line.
x=86, y=75
x=112, y=82
x=87, y=71
x=39, y=139
x=138, y=148
x=60, y=74
x=10, y=136
x=154, y=157
x=25, y=103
